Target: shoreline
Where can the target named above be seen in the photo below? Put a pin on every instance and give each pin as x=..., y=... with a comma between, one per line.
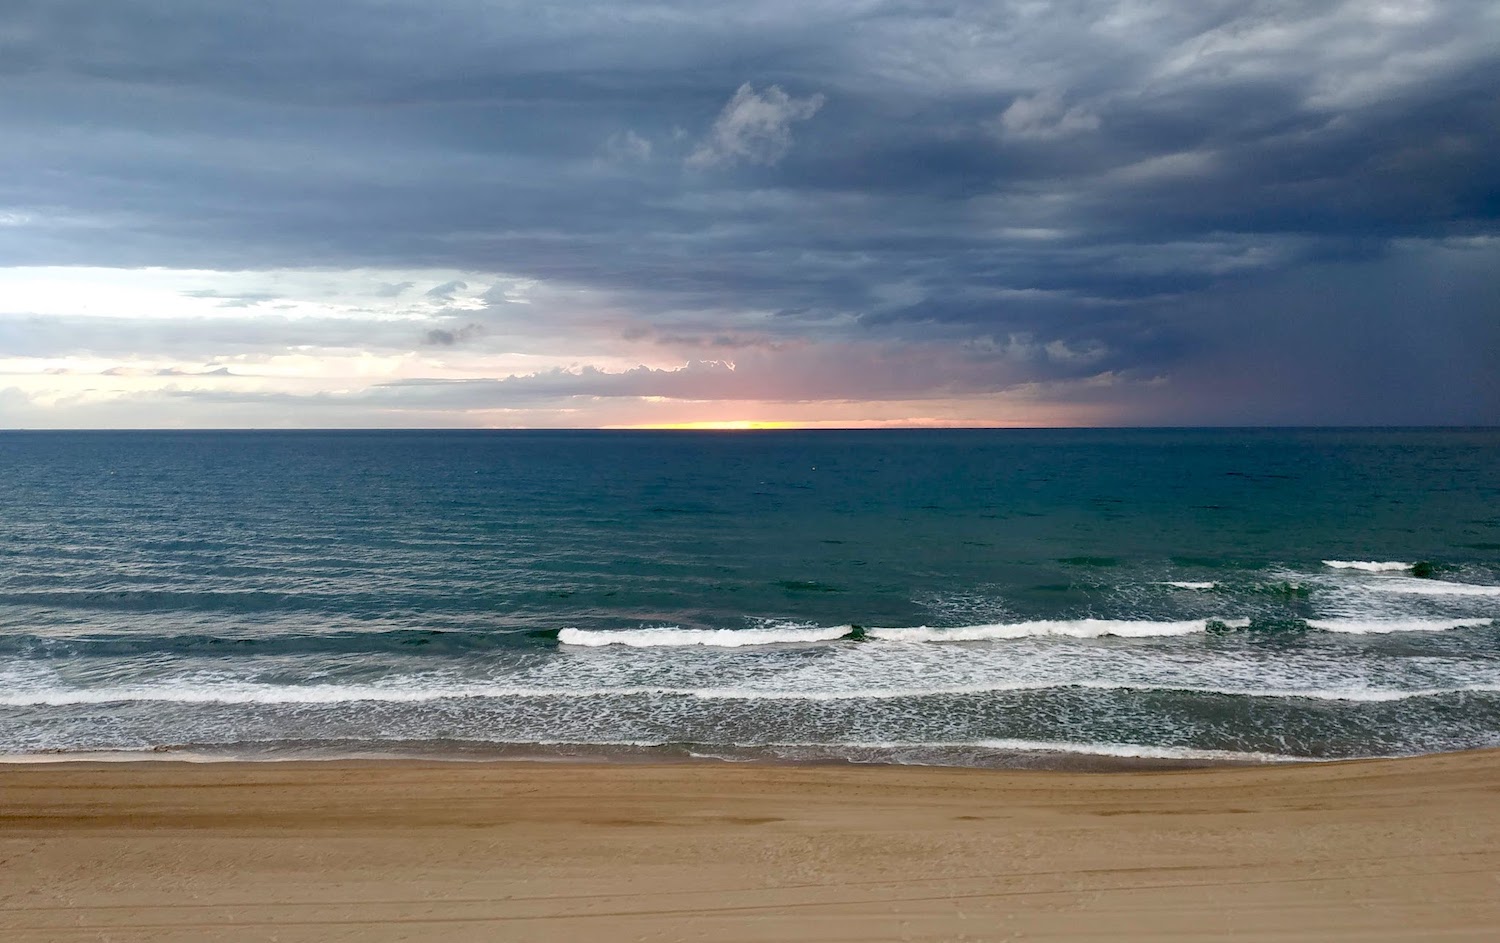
x=1107, y=758
x=312, y=850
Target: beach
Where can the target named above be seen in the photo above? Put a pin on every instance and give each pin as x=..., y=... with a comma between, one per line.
x=1404, y=849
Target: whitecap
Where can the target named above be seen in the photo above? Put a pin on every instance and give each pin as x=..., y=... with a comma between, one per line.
x=1385, y=626
x=1421, y=587
x=671, y=636
x=430, y=690
x=1070, y=628
x=1369, y=566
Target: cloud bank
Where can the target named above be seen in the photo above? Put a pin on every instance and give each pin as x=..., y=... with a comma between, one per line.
x=449, y=213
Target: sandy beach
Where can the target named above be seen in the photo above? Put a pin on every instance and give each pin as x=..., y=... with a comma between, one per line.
x=299, y=851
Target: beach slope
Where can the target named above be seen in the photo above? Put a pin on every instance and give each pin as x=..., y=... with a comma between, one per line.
x=374, y=851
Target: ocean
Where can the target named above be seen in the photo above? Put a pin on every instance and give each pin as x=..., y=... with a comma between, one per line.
x=967, y=597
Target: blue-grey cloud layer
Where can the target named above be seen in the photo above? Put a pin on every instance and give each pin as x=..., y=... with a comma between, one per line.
x=1287, y=210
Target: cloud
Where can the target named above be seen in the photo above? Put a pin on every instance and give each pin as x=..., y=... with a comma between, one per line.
x=1006, y=193
x=124, y=371
x=1045, y=117
x=248, y=299
x=754, y=128
x=446, y=291
x=627, y=147
x=449, y=337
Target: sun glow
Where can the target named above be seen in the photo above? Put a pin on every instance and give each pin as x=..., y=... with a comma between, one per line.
x=722, y=424
x=911, y=423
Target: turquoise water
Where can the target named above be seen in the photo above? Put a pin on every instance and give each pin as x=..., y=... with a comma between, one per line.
x=984, y=597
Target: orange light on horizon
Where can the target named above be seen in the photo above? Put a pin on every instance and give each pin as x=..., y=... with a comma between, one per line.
x=718, y=425
x=740, y=425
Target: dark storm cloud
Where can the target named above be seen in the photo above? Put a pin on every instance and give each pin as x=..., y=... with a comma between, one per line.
x=1138, y=188
x=800, y=375
x=451, y=336
x=446, y=291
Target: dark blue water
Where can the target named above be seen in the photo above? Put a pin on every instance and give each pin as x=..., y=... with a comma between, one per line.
x=915, y=596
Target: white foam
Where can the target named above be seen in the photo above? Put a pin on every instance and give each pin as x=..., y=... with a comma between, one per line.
x=1070, y=628
x=1369, y=566
x=1122, y=750
x=1385, y=626
x=1420, y=587
x=1363, y=694
x=1134, y=750
x=668, y=637
x=854, y=694
x=226, y=694
x=1118, y=750
x=1370, y=695
x=1188, y=584
x=136, y=755
x=434, y=690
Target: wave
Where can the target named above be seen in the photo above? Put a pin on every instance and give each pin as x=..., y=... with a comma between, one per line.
x=1188, y=584
x=125, y=644
x=200, y=693
x=739, y=750
x=1130, y=751
x=440, y=643
x=1369, y=566
x=672, y=637
x=1119, y=750
x=1423, y=587
x=334, y=694
x=153, y=600
x=1385, y=626
x=1070, y=628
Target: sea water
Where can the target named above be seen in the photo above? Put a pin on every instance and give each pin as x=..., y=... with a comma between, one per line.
x=932, y=596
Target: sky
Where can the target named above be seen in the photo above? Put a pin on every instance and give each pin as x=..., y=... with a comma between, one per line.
x=479, y=213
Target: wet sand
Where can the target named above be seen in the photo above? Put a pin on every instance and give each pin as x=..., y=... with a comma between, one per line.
x=417, y=850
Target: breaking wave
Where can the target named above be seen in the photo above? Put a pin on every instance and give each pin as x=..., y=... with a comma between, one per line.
x=1420, y=587
x=1369, y=566
x=671, y=637
x=1386, y=626
x=183, y=691
x=1071, y=628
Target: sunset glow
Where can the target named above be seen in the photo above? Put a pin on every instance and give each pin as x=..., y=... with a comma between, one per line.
x=923, y=215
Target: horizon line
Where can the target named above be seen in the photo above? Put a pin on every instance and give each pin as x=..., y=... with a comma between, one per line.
x=761, y=428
